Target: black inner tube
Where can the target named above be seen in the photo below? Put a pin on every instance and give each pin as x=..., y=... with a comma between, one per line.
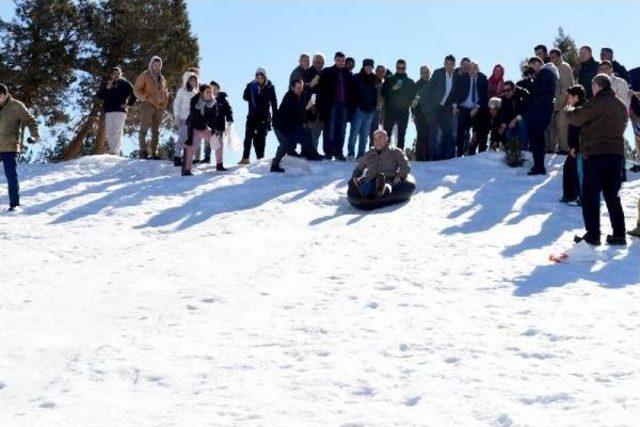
x=400, y=194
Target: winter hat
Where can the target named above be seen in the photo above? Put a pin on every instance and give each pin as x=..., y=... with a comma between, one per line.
x=154, y=59
x=366, y=62
x=262, y=71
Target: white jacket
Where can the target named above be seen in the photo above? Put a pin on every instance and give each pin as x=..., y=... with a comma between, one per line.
x=621, y=88
x=182, y=103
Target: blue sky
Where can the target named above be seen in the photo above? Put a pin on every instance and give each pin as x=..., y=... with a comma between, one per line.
x=237, y=36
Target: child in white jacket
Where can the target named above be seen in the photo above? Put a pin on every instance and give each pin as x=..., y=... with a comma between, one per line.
x=181, y=106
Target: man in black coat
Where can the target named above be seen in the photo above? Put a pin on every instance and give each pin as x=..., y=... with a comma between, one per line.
x=117, y=96
x=587, y=70
x=290, y=125
x=437, y=106
x=364, y=101
x=419, y=118
x=261, y=97
x=398, y=92
x=513, y=111
x=334, y=99
x=542, y=95
x=471, y=97
x=606, y=54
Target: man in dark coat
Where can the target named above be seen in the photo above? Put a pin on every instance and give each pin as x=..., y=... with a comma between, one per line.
x=634, y=79
x=542, y=95
x=419, y=118
x=437, y=106
x=261, y=97
x=471, y=96
x=398, y=92
x=606, y=54
x=513, y=111
x=302, y=71
x=603, y=120
x=587, y=70
x=334, y=98
x=290, y=125
x=364, y=101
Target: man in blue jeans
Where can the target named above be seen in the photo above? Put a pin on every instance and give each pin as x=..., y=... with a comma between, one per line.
x=384, y=168
x=364, y=101
x=14, y=116
x=334, y=98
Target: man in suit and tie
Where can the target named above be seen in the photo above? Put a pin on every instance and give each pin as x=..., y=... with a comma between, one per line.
x=437, y=106
x=471, y=96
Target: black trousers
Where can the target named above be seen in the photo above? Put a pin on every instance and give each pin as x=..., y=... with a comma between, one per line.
x=399, y=117
x=536, y=128
x=602, y=175
x=422, y=139
x=255, y=133
x=570, y=179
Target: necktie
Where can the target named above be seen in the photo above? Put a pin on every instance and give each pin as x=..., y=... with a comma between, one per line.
x=474, y=95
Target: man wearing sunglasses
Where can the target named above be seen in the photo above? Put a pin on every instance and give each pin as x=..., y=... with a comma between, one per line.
x=398, y=92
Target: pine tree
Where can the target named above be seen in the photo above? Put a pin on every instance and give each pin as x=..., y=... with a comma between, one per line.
x=38, y=49
x=567, y=46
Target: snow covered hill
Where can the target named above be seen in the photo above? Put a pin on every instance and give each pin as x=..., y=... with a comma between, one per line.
x=134, y=297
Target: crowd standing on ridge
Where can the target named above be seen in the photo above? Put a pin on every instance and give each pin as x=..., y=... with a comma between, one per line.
x=457, y=111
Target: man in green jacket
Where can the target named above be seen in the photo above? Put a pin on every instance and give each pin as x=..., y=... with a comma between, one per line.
x=14, y=117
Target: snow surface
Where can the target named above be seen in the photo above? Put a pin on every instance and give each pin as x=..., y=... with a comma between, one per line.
x=135, y=297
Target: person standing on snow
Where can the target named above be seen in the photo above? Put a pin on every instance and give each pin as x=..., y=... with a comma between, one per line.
x=224, y=117
x=572, y=167
x=151, y=90
x=364, y=101
x=14, y=117
x=604, y=120
x=398, y=91
x=117, y=96
x=181, y=110
x=542, y=94
x=260, y=94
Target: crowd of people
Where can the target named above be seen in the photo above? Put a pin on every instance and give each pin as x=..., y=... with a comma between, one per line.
x=457, y=111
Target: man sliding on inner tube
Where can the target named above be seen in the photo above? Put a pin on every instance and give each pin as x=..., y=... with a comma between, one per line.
x=386, y=169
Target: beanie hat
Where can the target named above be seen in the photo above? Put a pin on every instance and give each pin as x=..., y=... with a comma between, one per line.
x=367, y=61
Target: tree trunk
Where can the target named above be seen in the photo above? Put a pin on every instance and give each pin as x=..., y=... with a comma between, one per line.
x=100, y=146
x=73, y=149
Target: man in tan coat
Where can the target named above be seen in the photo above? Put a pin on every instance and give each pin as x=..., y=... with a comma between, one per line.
x=559, y=124
x=384, y=168
x=14, y=117
x=151, y=90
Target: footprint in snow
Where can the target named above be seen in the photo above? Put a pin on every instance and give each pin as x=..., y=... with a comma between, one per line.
x=2, y=385
x=364, y=391
x=191, y=307
x=412, y=401
x=452, y=360
x=47, y=405
x=371, y=305
x=386, y=288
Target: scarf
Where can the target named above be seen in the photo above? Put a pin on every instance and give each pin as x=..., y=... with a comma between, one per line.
x=202, y=104
x=495, y=83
